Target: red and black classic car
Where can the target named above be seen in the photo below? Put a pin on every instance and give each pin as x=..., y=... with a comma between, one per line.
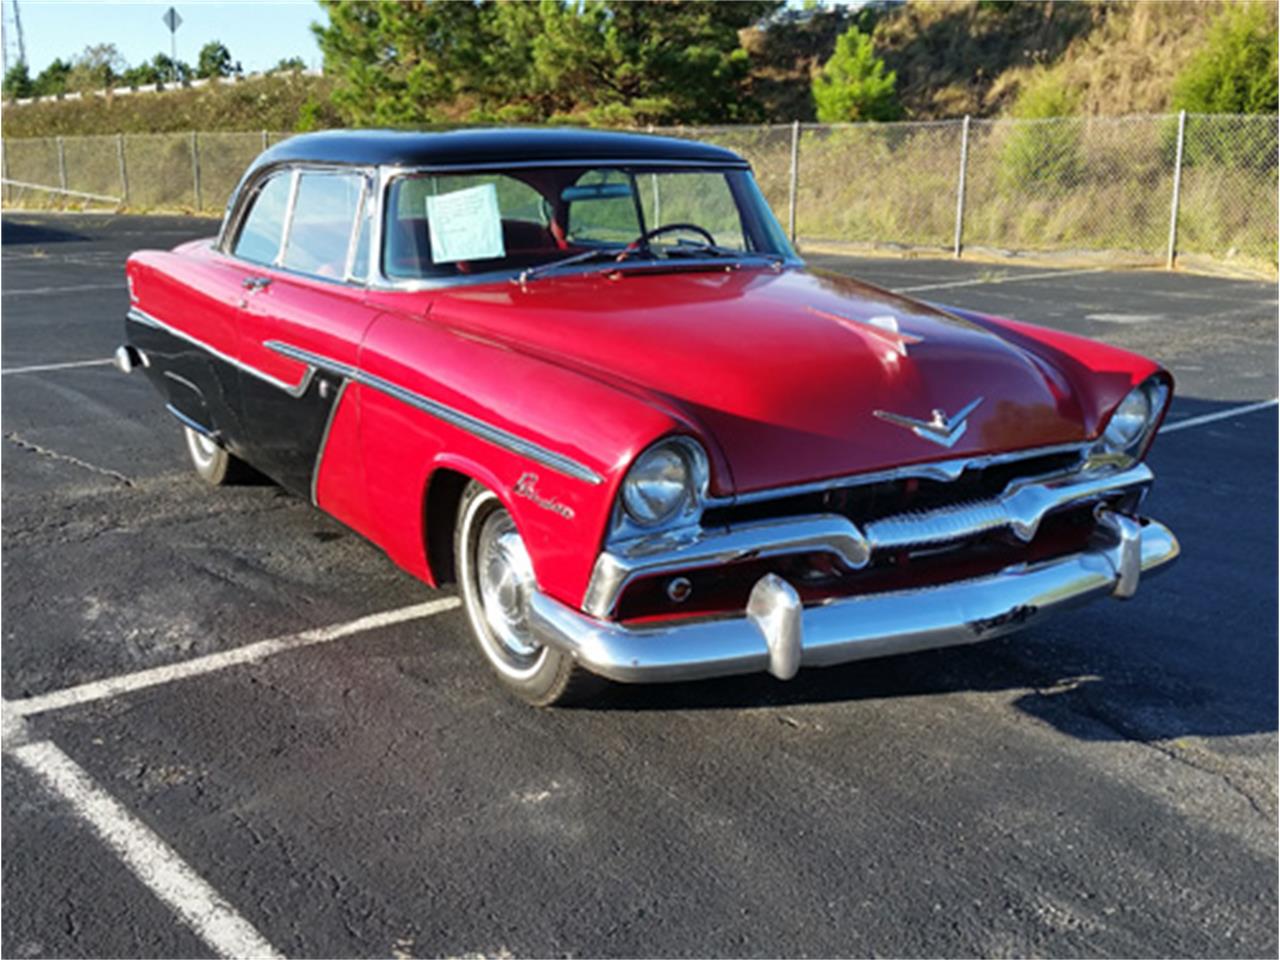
x=584, y=376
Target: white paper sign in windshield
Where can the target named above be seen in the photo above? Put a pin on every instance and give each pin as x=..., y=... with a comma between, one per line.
x=465, y=225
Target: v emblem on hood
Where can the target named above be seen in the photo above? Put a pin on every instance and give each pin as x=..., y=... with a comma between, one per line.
x=940, y=429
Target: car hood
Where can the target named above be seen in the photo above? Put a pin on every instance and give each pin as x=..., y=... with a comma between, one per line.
x=793, y=375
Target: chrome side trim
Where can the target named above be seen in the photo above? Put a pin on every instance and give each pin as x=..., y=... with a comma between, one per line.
x=324, y=440
x=694, y=548
x=295, y=179
x=767, y=634
x=1021, y=508
x=361, y=214
x=314, y=361
x=942, y=470
x=294, y=390
x=464, y=421
x=195, y=425
x=178, y=378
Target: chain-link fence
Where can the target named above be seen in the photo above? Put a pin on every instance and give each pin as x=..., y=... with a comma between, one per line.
x=1143, y=186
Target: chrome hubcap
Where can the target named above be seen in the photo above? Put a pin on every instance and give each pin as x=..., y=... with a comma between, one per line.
x=504, y=576
x=203, y=450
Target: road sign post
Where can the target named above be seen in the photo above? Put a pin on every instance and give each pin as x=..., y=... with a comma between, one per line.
x=173, y=21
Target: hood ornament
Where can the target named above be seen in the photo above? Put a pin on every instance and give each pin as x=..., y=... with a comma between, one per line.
x=940, y=428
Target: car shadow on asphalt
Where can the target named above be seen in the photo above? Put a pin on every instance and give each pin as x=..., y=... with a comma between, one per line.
x=17, y=233
x=1195, y=654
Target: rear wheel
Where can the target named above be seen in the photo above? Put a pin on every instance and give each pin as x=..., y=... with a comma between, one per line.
x=496, y=578
x=214, y=465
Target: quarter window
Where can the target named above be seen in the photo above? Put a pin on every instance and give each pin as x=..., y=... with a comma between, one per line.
x=323, y=217
x=259, y=239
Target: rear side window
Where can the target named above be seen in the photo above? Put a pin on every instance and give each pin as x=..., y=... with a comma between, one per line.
x=323, y=217
x=263, y=228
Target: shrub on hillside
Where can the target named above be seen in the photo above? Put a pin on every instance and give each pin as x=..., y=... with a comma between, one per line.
x=853, y=84
x=1234, y=73
x=1235, y=70
x=1041, y=151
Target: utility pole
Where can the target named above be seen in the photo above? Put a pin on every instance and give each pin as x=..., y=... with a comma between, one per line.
x=17, y=28
x=14, y=34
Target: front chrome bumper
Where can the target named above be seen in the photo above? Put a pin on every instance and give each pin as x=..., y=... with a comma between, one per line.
x=778, y=634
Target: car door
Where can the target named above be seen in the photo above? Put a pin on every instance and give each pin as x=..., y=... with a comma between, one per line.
x=306, y=304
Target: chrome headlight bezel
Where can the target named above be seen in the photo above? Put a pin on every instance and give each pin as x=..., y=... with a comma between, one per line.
x=1132, y=424
x=688, y=457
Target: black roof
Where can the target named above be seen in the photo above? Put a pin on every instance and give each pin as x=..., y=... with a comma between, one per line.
x=491, y=146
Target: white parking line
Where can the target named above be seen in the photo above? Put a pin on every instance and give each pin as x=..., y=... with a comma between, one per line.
x=150, y=859
x=981, y=282
x=74, y=288
x=130, y=682
x=1219, y=415
x=42, y=367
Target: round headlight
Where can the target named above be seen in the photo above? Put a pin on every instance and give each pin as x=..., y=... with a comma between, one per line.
x=658, y=486
x=1130, y=420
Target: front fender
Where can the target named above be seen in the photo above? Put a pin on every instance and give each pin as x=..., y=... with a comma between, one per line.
x=1099, y=374
x=563, y=515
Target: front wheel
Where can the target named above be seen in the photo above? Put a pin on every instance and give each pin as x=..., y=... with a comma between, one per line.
x=214, y=465
x=496, y=577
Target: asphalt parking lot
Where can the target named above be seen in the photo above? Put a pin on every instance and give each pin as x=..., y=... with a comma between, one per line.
x=177, y=784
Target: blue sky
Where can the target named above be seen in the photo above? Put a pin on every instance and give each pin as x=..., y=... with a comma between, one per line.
x=258, y=34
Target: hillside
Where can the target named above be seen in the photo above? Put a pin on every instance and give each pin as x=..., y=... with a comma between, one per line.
x=281, y=101
x=951, y=58
x=955, y=57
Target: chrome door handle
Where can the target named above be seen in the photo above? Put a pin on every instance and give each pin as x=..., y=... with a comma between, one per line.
x=255, y=283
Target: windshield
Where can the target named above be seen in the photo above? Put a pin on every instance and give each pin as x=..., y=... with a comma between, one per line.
x=530, y=220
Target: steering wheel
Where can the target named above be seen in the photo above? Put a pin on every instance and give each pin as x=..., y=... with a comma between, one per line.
x=648, y=235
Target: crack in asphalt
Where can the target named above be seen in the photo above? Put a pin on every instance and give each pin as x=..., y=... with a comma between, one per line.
x=1081, y=703
x=32, y=447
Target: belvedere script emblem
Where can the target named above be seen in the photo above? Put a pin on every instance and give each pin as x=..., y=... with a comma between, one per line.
x=527, y=487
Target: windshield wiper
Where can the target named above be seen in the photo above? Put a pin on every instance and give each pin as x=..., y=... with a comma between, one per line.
x=586, y=256
x=704, y=249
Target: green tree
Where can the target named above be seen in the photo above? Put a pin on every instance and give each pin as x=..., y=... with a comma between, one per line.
x=97, y=68
x=215, y=61
x=170, y=70
x=401, y=63
x=853, y=84
x=17, y=81
x=52, y=79
x=677, y=61
x=1235, y=69
x=143, y=75
x=602, y=60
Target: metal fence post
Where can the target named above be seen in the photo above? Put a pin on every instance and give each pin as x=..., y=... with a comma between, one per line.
x=62, y=164
x=195, y=169
x=124, y=173
x=264, y=139
x=795, y=179
x=4, y=171
x=964, y=170
x=1177, y=190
